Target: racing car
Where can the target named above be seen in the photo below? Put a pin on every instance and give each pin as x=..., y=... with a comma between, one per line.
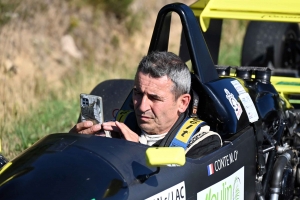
x=259, y=128
x=272, y=35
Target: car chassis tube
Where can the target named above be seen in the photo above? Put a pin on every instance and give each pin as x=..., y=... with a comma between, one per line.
x=277, y=174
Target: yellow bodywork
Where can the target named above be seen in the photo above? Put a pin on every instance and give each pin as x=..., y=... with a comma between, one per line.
x=165, y=156
x=286, y=87
x=5, y=167
x=259, y=10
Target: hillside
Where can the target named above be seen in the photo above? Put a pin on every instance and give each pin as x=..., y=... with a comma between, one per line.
x=47, y=38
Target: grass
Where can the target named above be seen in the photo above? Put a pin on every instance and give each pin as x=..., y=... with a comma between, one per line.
x=233, y=32
x=53, y=116
x=230, y=55
x=53, y=113
x=7, y=9
x=119, y=9
x=58, y=110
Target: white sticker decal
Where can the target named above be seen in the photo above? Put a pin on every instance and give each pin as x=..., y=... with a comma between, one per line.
x=176, y=192
x=234, y=103
x=231, y=187
x=249, y=107
x=238, y=86
x=246, y=101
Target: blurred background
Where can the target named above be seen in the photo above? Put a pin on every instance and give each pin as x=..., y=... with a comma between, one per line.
x=53, y=50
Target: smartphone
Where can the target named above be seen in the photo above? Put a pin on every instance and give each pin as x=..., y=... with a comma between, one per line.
x=91, y=108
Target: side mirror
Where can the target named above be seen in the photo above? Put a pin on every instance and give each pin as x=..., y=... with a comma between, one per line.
x=165, y=156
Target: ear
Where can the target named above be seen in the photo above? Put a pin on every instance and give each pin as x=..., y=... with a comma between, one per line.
x=183, y=102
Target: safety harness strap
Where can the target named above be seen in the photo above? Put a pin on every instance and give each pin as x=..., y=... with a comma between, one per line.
x=195, y=102
x=122, y=115
x=186, y=131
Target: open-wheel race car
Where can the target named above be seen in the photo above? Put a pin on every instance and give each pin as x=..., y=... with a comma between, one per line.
x=258, y=125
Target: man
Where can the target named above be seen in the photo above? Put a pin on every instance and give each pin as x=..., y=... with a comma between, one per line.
x=160, y=99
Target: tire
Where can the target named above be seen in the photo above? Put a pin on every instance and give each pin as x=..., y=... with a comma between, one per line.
x=271, y=44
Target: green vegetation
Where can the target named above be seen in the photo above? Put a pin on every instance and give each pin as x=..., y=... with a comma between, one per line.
x=115, y=42
x=7, y=8
x=229, y=54
x=52, y=116
x=233, y=32
x=119, y=8
x=74, y=23
x=134, y=22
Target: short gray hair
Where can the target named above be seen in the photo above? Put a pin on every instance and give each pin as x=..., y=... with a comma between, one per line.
x=159, y=64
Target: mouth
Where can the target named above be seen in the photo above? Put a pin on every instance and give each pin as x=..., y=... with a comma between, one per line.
x=144, y=117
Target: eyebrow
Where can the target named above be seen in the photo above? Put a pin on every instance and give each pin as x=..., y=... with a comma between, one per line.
x=151, y=95
x=155, y=96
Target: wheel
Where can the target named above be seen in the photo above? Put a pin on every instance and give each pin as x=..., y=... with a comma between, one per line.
x=272, y=44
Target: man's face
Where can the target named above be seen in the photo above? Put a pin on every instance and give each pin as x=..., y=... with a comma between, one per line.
x=155, y=106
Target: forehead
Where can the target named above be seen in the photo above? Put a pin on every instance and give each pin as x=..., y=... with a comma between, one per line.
x=146, y=82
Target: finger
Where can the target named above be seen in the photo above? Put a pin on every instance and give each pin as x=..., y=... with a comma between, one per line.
x=110, y=126
x=92, y=130
x=127, y=132
x=83, y=125
x=80, y=126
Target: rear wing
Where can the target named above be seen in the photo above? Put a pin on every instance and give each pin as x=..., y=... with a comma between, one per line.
x=288, y=87
x=257, y=10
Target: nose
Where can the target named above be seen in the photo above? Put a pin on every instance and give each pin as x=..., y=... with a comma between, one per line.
x=143, y=105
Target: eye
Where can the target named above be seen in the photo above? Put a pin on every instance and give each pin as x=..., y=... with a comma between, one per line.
x=137, y=93
x=154, y=98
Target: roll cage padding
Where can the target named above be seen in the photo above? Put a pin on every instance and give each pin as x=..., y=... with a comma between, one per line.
x=202, y=63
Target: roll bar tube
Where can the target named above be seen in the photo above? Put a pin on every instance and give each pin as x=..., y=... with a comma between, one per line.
x=200, y=57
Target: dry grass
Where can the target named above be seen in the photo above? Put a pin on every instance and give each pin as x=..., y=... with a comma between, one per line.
x=40, y=83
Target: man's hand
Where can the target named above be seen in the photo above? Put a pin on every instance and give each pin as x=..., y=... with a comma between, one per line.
x=86, y=127
x=122, y=129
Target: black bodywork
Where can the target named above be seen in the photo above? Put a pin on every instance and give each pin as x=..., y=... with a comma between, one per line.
x=264, y=152
x=67, y=166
